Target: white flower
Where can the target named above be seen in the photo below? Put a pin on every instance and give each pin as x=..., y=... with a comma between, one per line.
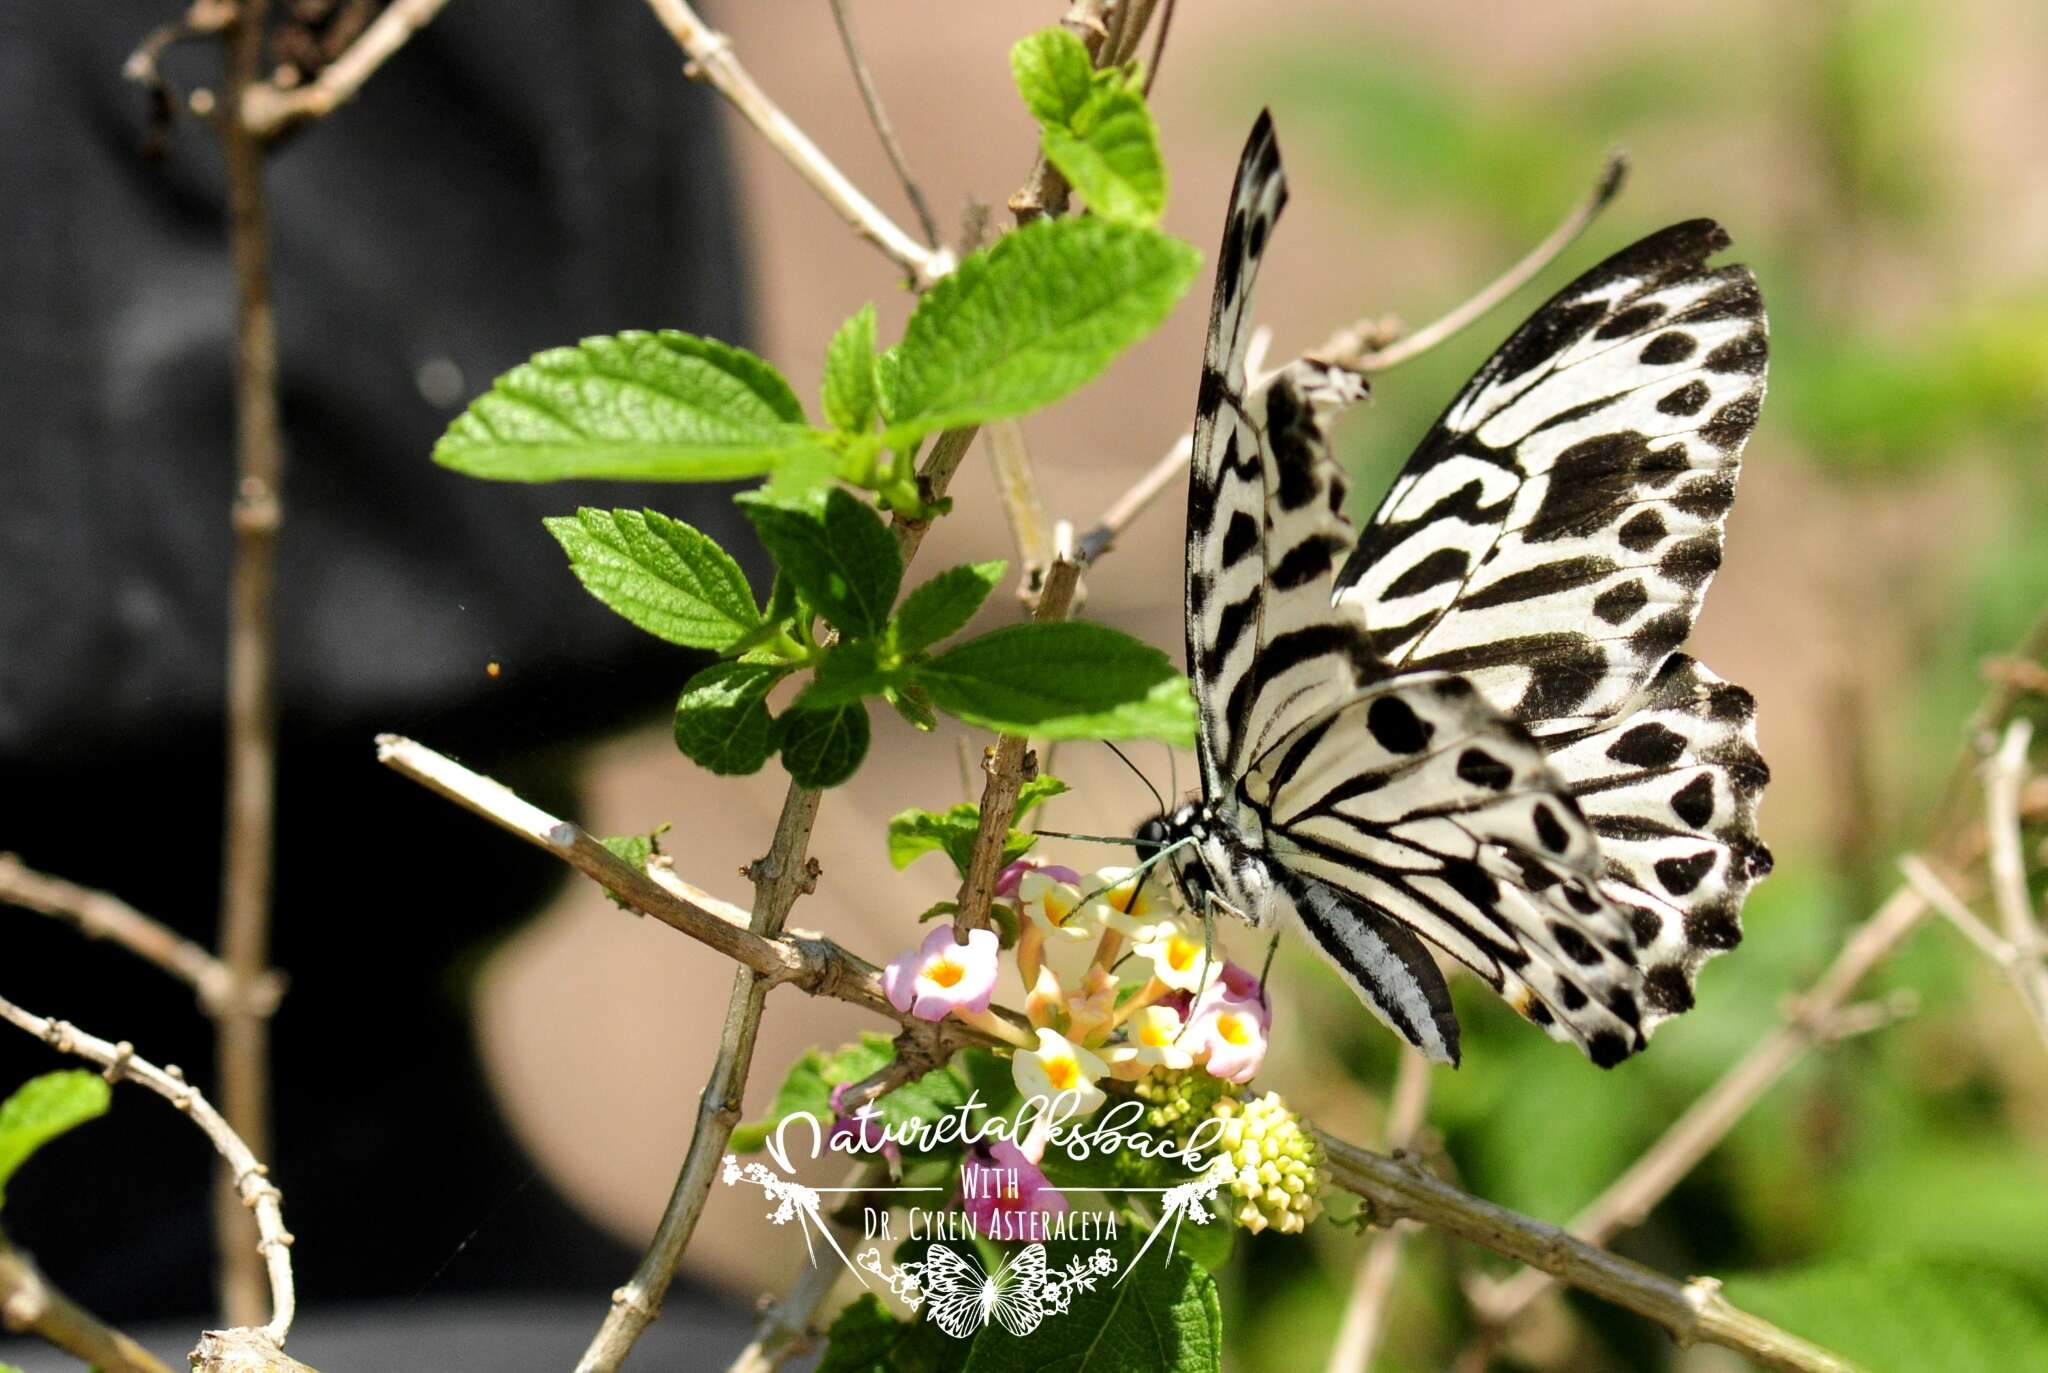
x=1058, y=1066
x=1151, y=1041
x=1066, y=930
x=1133, y=906
x=1179, y=959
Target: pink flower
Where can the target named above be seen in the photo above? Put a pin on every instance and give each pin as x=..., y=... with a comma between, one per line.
x=940, y=976
x=1237, y=988
x=1230, y=1039
x=1010, y=877
x=1000, y=1187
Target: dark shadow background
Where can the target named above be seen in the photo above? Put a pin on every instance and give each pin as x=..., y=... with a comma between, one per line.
x=517, y=185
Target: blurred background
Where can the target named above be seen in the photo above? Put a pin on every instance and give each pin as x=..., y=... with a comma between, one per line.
x=1877, y=162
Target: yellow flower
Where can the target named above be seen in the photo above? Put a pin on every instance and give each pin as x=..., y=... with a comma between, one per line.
x=1178, y=958
x=1059, y=1066
x=1133, y=906
x=1152, y=1040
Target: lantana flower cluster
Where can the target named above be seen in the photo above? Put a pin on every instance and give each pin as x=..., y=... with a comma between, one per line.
x=1124, y=996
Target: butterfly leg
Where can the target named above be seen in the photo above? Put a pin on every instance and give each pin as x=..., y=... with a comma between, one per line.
x=1266, y=969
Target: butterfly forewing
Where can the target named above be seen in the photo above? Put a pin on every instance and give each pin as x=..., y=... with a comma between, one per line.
x=1553, y=535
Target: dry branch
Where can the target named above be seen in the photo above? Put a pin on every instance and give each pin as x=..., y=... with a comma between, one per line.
x=250, y=1179
x=267, y=111
x=712, y=59
x=30, y=1305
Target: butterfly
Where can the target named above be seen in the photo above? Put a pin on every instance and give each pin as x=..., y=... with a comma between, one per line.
x=1468, y=727
x=962, y=1297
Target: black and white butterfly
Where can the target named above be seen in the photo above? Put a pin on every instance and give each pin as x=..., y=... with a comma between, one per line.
x=1469, y=728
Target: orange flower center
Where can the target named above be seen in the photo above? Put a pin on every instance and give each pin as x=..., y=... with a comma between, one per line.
x=944, y=971
x=1182, y=953
x=1063, y=1073
x=1153, y=1034
x=1233, y=1028
x=1057, y=909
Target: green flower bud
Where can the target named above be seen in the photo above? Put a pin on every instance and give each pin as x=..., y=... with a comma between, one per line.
x=1279, y=1166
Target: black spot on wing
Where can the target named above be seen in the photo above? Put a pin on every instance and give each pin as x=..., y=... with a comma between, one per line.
x=1549, y=831
x=1240, y=538
x=1668, y=989
x=1648, y=745
x=1670, y=347
x=1681, y=875
x=1547, y=579
x=1690, y=563
x=1732, y=422
x=1643, y=532
x=1694, y=802
x=1607, y=1048
x=1658, y=636
x=1312, y=558
x=1546, y=333
x=1686, y=400
x=1591, y=481
x=1749, y=354
x=1482, y=769
x=1617, y=604
x=1396, y=726
x=1629, y=321
x=1713, y=926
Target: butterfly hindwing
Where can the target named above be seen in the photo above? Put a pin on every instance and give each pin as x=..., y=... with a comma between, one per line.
x=1418, y=799
x=1554, y=533
x=1671, y=787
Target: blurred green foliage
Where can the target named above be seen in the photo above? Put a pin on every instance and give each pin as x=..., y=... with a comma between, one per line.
x=1891, y=1196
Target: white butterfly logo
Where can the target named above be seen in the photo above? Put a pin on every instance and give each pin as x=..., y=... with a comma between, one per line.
x=963, y=1296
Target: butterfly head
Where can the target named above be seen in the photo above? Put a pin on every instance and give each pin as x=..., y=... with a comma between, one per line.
x=1190, y=821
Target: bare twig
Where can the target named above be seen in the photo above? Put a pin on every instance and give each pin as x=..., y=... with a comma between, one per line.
x=267, y=111
x=243, y=1016
x=98, y=915
x=1006, y=770
x=30, y=1305
x=1810, y=1019
x=201, y=19
x=1402, y=1189
x=1159, y=45
x=711, y=58
x=1373, y=1283
x=253, y=1189
x=786, y=1327
x=1017, y=481
x=2004, y=777
x=1148, y=488
x=879, y=117
x=1358, y=345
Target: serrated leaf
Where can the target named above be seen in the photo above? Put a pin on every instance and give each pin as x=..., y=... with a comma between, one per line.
x=942, y=606
x=1020, y=324
x=666, y=577
x=1063, y=680
x=1054, y=74
x=849, y=383
x=822, y=748
x=1907, y=1315
x=840, y=556
x=722, y=720
x=1109, y=151
x=43, y=1108
x=913, y=833
x=1156, y=1317
x=637, y=406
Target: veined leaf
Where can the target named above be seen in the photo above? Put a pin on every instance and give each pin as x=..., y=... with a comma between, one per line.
x=1064, y=680
x=913, y=833
x=849, y=384
x=942, y=606
x=673, y=581
x=1019, y=325
x=665, y=406
x=1054, y=74
x=838, y=553
x=823, y=747
x=722, y=720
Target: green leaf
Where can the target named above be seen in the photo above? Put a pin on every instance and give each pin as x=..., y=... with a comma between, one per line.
x=808, y=1087
x=1022, y=323
x=42, y=1109
x=821, y=748
x=671, y=580
x=1907, y=1315
x=914, y=704
x=1063, y=680
x=722, y=720
x=942, y=606
x=1113, y=159
x=865, y=1338
x=913, y=833
x=849, y=385
x=849, y=672
x=1156, y=1317
x=637, y=406
x=633, y=850
x=1054, y=74
x=840, y=556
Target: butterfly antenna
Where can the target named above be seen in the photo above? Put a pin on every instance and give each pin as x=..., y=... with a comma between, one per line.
x=1119, y=840
x=1138, y=773
x=1266, y=970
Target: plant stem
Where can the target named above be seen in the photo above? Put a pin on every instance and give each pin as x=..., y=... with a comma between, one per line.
x=241, y=1017
x=29, y=1304
x=267, y=111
